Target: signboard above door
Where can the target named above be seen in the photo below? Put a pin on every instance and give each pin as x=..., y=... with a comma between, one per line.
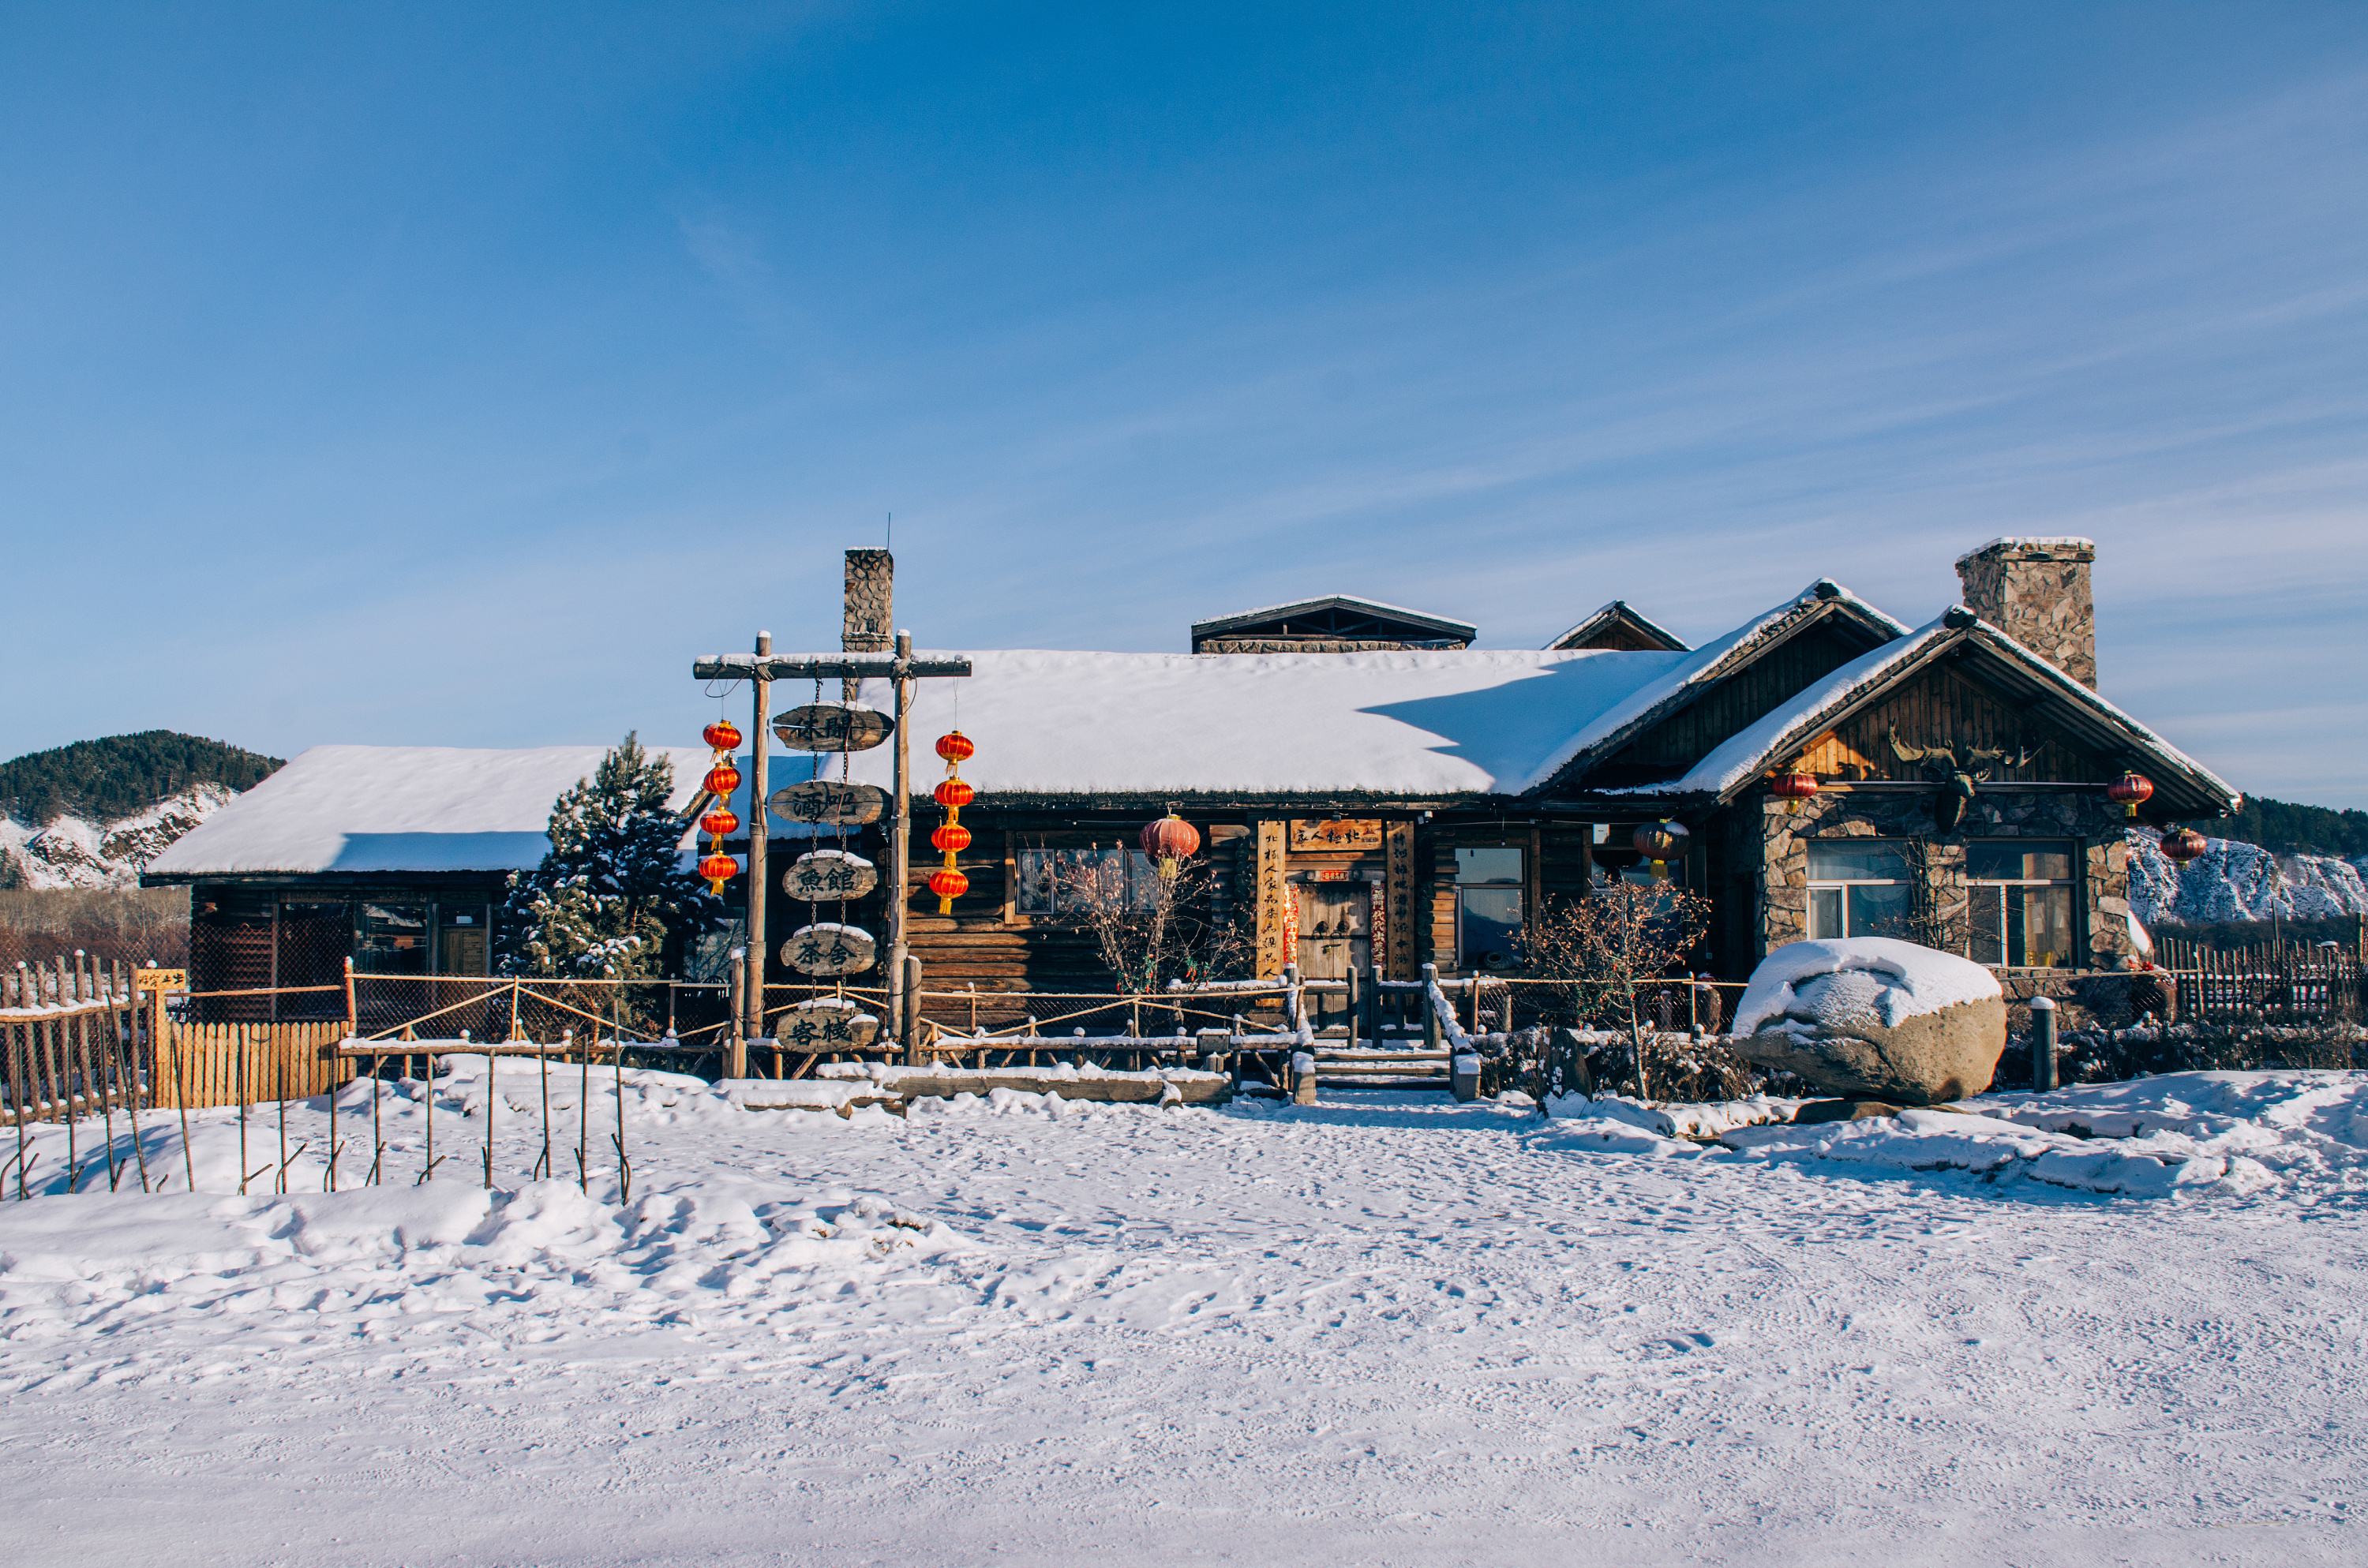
x=1335, y=833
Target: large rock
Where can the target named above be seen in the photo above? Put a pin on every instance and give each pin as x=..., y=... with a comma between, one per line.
x=1868, y=1017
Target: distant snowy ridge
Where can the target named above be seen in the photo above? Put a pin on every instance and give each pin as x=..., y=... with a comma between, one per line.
x=75, y=852
x=2235, y=880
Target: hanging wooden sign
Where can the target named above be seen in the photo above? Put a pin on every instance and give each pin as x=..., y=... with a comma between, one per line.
x=826, y=803
x=1335, y=833
x=829, y=875
x=827, y=1023
x=829, y=947
x=833, y=726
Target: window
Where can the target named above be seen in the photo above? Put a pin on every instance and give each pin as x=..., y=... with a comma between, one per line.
x=393, y=939
x=1858, y=887
x=1068, y=881
x=1488, y=899
x=2022, y=904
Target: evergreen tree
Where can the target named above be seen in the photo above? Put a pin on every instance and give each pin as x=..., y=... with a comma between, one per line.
x=612, y=899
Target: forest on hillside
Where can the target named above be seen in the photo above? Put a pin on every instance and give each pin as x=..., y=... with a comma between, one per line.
x=2289, y=829
x=119, y=775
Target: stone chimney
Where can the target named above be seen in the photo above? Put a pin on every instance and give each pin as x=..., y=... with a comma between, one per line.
x=2037, y=591
x=868, y=614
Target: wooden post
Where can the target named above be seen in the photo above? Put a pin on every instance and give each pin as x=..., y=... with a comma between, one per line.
x=1428, y=1001
x=752, y=994
x=1356, y=1005
x=2043, y=1044
x=910, y=1023
x=900, y=839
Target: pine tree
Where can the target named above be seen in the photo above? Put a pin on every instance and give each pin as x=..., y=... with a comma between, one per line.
x=612, y=899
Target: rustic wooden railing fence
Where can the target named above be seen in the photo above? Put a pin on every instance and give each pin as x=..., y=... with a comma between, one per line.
x=2284, y=984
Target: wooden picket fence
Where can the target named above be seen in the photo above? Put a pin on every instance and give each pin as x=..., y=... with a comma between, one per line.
x=228, y=1065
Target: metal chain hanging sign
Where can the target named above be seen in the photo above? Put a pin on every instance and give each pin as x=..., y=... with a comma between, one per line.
x=830, y=947
x=828, y=1023
x=829, y=876
x=830, y=803
x=833, y=726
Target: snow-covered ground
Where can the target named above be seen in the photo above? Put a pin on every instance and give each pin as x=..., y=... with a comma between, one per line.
x=1384, y=1329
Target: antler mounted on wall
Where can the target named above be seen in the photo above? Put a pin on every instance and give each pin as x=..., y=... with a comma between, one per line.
x=1957, y=776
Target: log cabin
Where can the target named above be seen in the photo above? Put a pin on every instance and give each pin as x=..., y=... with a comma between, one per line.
x=1370, y=789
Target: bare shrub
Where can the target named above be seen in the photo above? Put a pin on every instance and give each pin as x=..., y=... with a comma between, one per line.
x=1147, y=929
x=1607, y=954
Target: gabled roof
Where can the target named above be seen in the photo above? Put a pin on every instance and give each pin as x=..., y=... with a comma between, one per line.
x=1743, y=758
x=1697, y=672
x=1416, y=623
x=1608, y=627
x=384, y=808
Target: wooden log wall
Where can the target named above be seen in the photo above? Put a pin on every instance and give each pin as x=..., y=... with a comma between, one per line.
x=1947, y=707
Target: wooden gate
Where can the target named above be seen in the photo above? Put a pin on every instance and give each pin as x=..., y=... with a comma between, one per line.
x=228, y=1065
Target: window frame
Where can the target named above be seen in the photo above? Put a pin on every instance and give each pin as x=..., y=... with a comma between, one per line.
x=1518, y=884
x=2075, y=901
x=1842, y=886
x=1015, y=912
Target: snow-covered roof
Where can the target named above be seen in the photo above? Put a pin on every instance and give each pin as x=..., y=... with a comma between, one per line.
x=379, y=808
x=1751, y=751
x=1442, y=625
x=1418, y=723
x=1691, y=673
x=1618, y=610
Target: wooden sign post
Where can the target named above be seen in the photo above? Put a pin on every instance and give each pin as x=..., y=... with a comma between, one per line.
x=901, y=668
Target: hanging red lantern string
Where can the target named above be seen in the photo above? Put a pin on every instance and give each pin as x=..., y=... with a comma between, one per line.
x=951, y=837
x=723, y=777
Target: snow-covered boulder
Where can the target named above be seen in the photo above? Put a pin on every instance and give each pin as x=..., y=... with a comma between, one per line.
x=1870, y=1017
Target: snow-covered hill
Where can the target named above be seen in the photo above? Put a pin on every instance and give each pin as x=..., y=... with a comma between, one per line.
x=2234, y=881
x=75, y=852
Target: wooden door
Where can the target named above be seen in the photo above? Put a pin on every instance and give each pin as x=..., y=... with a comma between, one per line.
x=1336, y=926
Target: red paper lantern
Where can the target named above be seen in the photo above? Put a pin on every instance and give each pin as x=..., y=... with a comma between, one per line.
x=1794, y=788
x=722, y=779
x=723, y=734
x=954, y=794
x=949, y=885
x=1661, y=842
x=2130, y=791
x=722, y=820
x=718, y=869
x=956, y=747
x=1170, y=841
x=2182, y=844
x=949, y=837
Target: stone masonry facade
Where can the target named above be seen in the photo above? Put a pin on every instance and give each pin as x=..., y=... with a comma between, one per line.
x=2084, y=816
x=2037, y=592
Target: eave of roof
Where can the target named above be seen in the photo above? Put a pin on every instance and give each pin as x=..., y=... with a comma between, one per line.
x=1744, y=757
x=1710, y=664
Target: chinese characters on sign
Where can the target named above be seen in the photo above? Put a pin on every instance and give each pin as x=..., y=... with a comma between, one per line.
x=1336, y=834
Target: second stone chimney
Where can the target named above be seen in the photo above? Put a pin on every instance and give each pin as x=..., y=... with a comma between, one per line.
x=2037, y=591
x=868, y=614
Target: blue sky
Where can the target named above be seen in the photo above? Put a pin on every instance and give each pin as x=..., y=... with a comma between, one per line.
x=455, y=374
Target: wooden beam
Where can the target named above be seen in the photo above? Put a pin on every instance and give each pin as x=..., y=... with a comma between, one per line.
x=827, y=666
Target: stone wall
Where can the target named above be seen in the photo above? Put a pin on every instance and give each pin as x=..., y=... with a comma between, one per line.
x=1905, y=811
x=868, y=622
x=2037, y=592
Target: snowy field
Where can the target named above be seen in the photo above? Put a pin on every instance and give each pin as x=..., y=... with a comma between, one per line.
x=1386, y=1329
